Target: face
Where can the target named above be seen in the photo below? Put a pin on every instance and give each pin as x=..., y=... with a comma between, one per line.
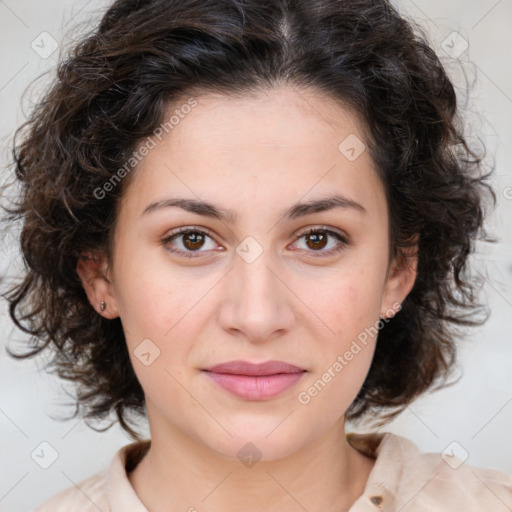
x=250, y=283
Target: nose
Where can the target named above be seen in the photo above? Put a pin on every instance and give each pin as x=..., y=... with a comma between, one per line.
x=258, y=303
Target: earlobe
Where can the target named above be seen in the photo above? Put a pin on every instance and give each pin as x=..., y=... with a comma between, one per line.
x=94, y=275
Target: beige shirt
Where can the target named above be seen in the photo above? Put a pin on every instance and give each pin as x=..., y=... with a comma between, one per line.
x=402, y=479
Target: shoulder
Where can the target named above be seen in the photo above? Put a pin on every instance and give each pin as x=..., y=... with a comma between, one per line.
x=435, y=479
x=107, y=491
x=89, y=495
x=422, y=482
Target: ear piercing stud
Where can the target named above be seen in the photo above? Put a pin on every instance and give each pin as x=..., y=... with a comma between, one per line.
x=384, y=316
x=103, y=305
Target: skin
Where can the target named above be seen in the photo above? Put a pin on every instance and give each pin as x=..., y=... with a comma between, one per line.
x=255, y=155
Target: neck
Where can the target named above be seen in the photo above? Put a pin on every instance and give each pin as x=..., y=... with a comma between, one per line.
x=178, y=473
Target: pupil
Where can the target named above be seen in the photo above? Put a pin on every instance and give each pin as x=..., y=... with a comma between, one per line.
x=197, y=239
x=317, y=239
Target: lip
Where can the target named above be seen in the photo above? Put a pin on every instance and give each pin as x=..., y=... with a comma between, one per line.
x=245, y=368
x=255, y=381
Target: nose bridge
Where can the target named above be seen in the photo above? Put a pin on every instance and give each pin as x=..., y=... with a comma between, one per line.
x=259, y=303
x=253, y=271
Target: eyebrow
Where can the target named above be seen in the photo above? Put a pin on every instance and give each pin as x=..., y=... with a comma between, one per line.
x=297, y=210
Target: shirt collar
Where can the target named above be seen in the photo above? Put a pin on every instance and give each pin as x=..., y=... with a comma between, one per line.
x=121, y=495
x=391, y=452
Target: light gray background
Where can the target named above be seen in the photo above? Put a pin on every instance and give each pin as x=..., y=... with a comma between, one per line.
x=476, y=413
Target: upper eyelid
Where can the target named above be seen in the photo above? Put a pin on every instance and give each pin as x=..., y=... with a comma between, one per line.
x=323, y=228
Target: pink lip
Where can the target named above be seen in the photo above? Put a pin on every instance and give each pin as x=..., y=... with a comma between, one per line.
x=255, y=381
x=246, y=368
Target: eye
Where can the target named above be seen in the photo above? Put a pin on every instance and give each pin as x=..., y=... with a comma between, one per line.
x=318, y=238
x=190, y=240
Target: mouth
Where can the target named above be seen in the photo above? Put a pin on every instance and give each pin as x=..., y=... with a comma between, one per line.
x=255, y=381
x=252, y=369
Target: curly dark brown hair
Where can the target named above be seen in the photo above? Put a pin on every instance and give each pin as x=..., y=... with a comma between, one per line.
x=114, y=88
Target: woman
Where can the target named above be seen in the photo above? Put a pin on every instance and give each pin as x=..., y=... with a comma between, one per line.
x=250, y=221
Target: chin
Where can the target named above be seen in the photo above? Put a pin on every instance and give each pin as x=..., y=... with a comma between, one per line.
x=256, y=439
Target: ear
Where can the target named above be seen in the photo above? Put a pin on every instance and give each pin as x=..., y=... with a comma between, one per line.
x=400, y=280
x=95, y=276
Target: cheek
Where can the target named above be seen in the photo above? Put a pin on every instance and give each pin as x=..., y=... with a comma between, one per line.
x=329, y=391
x=151, y=299
x=162, y=315
x=146, y=308
x=350, y=303
x=343, y=357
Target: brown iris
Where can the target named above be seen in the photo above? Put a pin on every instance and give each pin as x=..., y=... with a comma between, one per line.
x=318, y=239
x=193, y=240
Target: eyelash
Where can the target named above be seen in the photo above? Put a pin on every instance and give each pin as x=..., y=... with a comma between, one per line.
x=191, y=254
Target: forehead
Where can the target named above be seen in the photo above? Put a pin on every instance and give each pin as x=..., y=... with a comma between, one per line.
x=304, y=120
x=247, y=149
